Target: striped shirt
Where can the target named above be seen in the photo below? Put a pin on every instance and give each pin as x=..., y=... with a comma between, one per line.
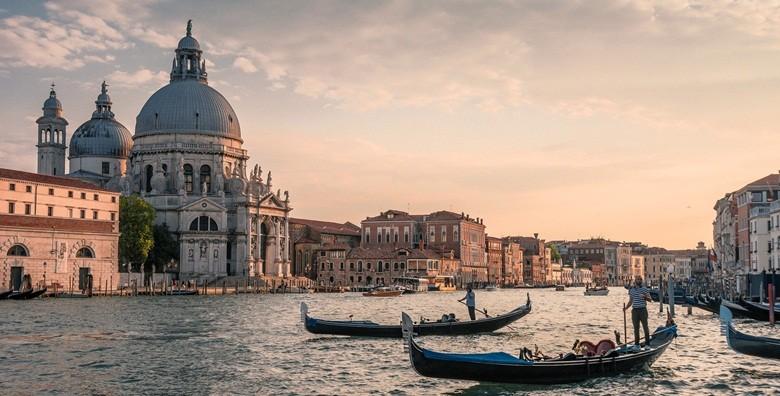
x=638, y=296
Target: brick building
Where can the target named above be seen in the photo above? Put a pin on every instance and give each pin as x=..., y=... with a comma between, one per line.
x=309, y=237
x=58, y=230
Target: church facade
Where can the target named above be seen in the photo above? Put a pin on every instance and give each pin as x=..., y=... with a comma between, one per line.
x=186, y=159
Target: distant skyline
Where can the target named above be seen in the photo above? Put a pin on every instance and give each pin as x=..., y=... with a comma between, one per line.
x=625, y=120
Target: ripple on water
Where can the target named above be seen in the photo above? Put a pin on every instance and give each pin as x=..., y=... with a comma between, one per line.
x=254, y=344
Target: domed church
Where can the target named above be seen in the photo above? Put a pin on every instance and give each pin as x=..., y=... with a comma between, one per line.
x=186, y=159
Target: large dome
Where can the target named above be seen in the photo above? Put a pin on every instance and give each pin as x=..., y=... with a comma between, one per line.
x=102, y=135
x=101, y=138
x=187, y=106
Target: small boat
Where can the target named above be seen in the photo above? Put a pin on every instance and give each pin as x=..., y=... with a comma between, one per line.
x=383, y=292
x=560, y=287
x=183, y=292
x=705, y=303
x=747, y=344
x=679, y=296
x=27, y=294
x=759, y=311
x=596, y=291
x=527, y=369
x=491, y=288
x=5, y=294
x=440, y=327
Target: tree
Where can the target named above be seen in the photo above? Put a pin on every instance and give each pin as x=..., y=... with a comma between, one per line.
x=136, y=238
x=164, y=250
x=555, y=256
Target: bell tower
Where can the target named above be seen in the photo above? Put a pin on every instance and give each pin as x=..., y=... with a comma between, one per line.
x=51, y=137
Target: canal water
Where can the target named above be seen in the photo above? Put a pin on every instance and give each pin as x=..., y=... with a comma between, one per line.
x=255, y=344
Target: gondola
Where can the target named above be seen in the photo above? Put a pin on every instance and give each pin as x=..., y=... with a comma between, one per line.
x=504, y=367
x=747, y=344
x=27, y=294
x=708, y=304
x=5, y=294
x=183, y=292
x=371, y=329
x=759, y=311
x=596, y=291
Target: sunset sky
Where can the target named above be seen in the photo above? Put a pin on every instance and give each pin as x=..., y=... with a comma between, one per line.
x=572, y=119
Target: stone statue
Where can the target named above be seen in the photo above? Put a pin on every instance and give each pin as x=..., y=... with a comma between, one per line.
x=220, y=183
x=268, y=181
x=203, y=249
x=158, y=179
x=189, y=27
x=286, y=196
x=203, y=189
x=180, y=177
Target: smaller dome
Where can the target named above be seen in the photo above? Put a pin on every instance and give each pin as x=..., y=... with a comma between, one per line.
x=189, y=42
x=52, y=103
x=101, y=137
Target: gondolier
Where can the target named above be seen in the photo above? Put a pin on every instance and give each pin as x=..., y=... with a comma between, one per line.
x=471, y=303
x=638, y=296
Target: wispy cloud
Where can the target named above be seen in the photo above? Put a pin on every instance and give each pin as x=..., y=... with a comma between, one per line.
x=137, y=79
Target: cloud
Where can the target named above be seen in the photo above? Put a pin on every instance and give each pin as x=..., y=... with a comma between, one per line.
x=138, y=78
x=244, y=64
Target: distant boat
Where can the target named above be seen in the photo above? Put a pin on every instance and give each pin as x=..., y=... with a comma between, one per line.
x=26, y=295
x=596, y=291
x=491, y=288
x=5, y=294
x=560, y=287
x=384, y=292
x=747, y=344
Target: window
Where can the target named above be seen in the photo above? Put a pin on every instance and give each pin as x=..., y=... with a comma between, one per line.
x=406, y=236
x=360, y=266
x=105, y=168
x=70, y=212
x=70, y=194
x=368, y=236
x=387, y=236
x=444, y=233
x=395, y=266
x=341, y=266
x=378, y=237
x=83, y=213
x=27, y=209
x=51, y=191
x=149, y=174
x=188, y=178
x=94, y=215
x=368, y=266
x=83, y=195
x=205, y=177
x=95, y=197
x=28, y=188
x=378, y=267
x=85, y=252
x=12, y=186
x=11, y=207
x=113, y=216
x=113, y=199
x=204, y=223
x=351, y=266
x=50, y=211
x=432, y=233
x=18, y=250
x=395, y=236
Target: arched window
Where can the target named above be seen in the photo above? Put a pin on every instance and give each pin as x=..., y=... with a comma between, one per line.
x=204, y=223
x=85, y=252
x=205, y=177
x=149, y=174
x=18, y=250
x=360, y=266
x=188, y=178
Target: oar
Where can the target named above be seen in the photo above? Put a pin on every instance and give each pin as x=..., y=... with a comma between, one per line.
x=625, y=326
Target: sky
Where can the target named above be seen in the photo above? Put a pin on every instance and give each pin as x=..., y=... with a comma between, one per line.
x=572, y=119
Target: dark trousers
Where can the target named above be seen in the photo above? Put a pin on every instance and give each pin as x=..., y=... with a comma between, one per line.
x=640, y=315
x=473, y=314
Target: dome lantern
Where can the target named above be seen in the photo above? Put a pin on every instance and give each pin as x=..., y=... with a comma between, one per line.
x=102, y=135
x=187, y=63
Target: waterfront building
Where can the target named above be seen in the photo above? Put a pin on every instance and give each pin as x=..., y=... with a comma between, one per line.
x=59, y=231
x=598, y=274
x=441, y=232
x=537, y=259
x=760, y=242
x=512, y=262
x=494, y=259
x=756, y=194
x=555, y=273
x=375, y=266
x=724, y=235
x=657, y=260
x=637, y=266
x=774, y=236
x=310, y=237
x=582, y=276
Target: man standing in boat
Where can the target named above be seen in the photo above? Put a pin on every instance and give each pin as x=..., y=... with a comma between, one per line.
x=638, y=296
x=470, y=303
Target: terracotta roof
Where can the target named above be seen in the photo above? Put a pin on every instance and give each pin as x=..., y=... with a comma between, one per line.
x=445, y=215
x=59, y=224
x=397, y=216
x=772, y=180
x=46, y=179
x=382, y=253
x=329, y=227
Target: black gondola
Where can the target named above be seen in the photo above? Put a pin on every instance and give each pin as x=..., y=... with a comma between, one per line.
x=758, y=311
x=705, y=303
x=371, y=329
x=747, y=344
x=182, y=292
x=5, y=294
x=27, y=294
x=504, y=367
